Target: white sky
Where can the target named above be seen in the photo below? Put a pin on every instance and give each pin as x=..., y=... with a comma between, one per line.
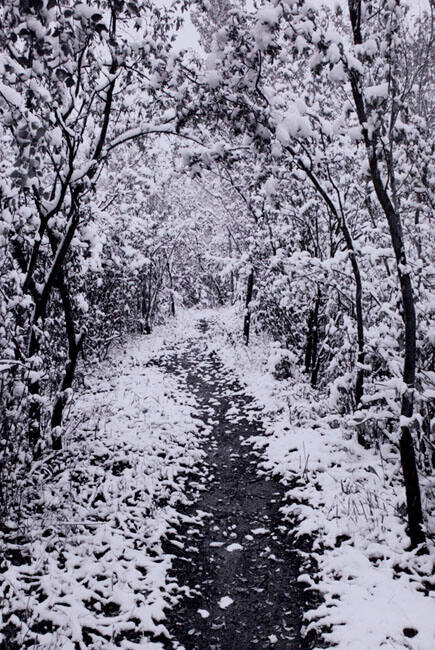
x=188, y=37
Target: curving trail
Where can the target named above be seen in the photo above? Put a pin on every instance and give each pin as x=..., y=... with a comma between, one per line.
x=237, y=561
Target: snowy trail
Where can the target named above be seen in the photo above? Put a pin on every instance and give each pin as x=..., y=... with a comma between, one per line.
x=238, y=564
x=153, y=527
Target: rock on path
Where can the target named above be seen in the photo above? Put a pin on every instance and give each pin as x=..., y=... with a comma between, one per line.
x=238, y=566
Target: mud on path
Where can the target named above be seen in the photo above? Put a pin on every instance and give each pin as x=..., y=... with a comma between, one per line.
x=239, y=565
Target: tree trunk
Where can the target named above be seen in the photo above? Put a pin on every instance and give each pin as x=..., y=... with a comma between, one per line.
x=34, y=429
x=74, y=348
x=359, y=383
x=146, y=307
x=68, y=378
x=315, y=343
x=312, y=335
x=407, y=451
x=230, y=254
x=247, y=319
x=315, y=370
x=309, y=344
x=171, y=289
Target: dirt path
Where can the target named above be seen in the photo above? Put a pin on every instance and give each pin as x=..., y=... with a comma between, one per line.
x=239, y=565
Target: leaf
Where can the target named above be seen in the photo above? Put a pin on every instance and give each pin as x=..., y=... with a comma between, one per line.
x=371, y=469
x=61, y=74
x=133, y=8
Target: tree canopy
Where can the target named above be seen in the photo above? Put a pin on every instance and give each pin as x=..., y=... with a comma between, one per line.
x=285, y=166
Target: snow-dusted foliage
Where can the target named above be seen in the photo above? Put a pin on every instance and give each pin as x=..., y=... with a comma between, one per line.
x=78, y=81
x=286, y=168
x=341, y=193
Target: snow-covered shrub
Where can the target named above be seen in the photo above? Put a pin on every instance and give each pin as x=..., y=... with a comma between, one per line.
x=282, y=363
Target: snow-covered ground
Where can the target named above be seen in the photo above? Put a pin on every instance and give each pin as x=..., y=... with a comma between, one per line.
x=350, y=500
x=91, y=571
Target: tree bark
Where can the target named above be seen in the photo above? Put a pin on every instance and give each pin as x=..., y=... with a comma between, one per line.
x=230, y=254
x=313, y=339
x=74, y=348
x=359, y=383
x=247, y=319
x=171, y=289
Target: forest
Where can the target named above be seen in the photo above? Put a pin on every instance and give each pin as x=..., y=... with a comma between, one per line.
x=269, y=167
